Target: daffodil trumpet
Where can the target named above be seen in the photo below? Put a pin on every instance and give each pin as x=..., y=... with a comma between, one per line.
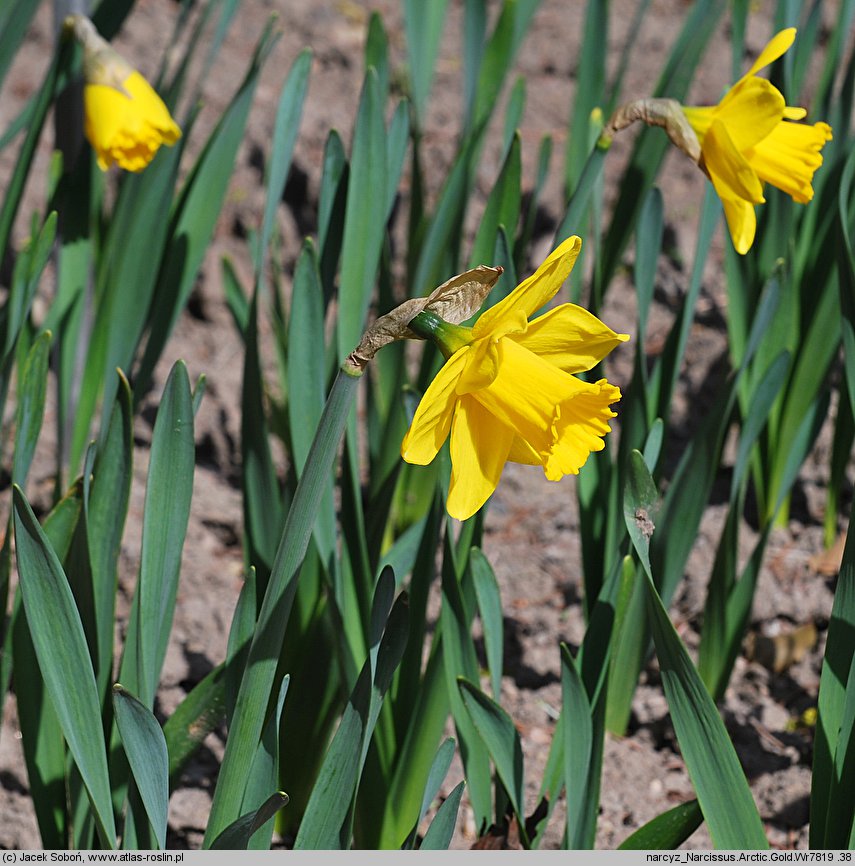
x=507, y=391
x=125, y=121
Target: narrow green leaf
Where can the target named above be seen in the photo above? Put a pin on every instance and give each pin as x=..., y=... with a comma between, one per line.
x=396, y=151
x=332, y=200
x=423, y=24
x=377, y=53
x=460, y=659
x=200, y=713
x=106, y=498
x=145, y=747
x=667, y=831
x=438, y=772
x=846, y=271
x=498, y=56
x=262, y=500
x=14, y=189
x=263, y=774
x=15, y=19
x=165, y=517
x=257, y=682
x=236, y=299
x=286, y=126
x=831, y=703
x=197, y=211
x=722, y=789
x=578, y=751
x=438, y=835
x=649, y=233
x=237, y=836
x=503, y=207
x=502, y=740
x=590, y=89
x=364, y=222
x=41, y=733
x=31, y=407
x=490, y=612
x=307, y=379
x=64, y=660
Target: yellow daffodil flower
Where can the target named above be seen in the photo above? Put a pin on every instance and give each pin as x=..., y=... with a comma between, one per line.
x=507, y=393
x=126, y=122
x=749, y=139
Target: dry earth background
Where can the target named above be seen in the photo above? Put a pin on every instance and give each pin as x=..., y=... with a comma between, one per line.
x=532, y=527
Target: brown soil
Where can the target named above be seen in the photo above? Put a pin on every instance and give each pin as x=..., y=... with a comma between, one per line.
x=532, y=526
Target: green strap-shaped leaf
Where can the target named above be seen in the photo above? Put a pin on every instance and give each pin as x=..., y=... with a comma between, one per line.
x=590, y=89
x=196, y=214
x=31, y=407
x=307, y=379
x=364, y=222
x=64, y=660
x=43, y=101
x=286, y=126
x=846, y=270
x=716, y=774
x=460, y=659
x=831, y=703
x=490, y=612
x=263, y=774
x=262, y=500
x=438, y=835
x=165, y=516
x=200, y=713
x=502, y=740
x=145, y=747
x=423, y=24
x=237, y=836
x=438, y=772
x=15, y=18
x=106, y=506
x=503, y=207
x=331, y=210
x=257, y=683
x=666, y=831
x=578, y=734
x=326, y=823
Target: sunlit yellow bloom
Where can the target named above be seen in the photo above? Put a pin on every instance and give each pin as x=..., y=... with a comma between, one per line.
x=508, y=393
x=126, y=122
x=749, y=139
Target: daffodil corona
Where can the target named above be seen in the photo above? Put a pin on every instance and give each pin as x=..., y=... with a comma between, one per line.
x=507, y=393
x=126, y=122
x=750, y=138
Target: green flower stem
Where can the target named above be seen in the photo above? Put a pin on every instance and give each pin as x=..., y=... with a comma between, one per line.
x=258, y=679
x=449, y=338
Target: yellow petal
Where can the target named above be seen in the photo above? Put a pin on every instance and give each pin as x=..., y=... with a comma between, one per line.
x=531, y=294
x=522, y=452
x=776, y=46
x=479, y=449
x=483, y=363
x=789, y=156
x=580, y=425
x=741, y=222
x=791, y=112
x=432, y=421
x=570, y=338
x=750, y=111
x=700, y=119
x=730, y=172
x=546, y=407
x=127, y=126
